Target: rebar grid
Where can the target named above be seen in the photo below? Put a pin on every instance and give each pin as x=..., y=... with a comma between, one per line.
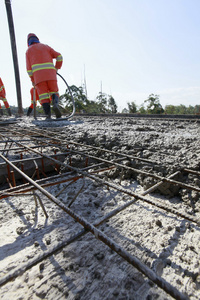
x=81, y=172
x=161, y=179
x=60, y=144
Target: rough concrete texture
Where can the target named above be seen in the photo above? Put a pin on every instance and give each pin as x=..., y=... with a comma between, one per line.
x=169, y=146
x=87, y=269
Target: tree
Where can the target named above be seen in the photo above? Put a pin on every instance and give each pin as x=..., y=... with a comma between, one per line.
x=190, y=110
x=153, y=105
x=170, y=109
x=197, y=109
x=142, y=109
x=92, y=107
x=132, y=107
x=125, y=111
x=102, y=102
x=181, y=109
x=112, y=105
x=79, y=98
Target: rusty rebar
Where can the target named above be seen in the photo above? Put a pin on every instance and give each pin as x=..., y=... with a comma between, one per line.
x=160, y=205
x=80, y=190
x=155, y=186
x=167, y=287
x=155, y=176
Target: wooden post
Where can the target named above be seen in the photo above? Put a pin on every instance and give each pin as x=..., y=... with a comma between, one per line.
x=14, y=54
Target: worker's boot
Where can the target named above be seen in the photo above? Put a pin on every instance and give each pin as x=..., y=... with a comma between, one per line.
x=1, y=112
x=55, y=100
x=29, y=111
x=47, y=110
x=9, y=111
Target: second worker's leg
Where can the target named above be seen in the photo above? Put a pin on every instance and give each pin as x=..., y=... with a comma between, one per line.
x=9, y=111
x=29, y=111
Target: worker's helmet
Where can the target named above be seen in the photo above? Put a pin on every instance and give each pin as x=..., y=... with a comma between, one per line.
x=32, y=38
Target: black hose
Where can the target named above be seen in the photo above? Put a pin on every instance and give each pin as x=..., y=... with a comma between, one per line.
x=74, y=109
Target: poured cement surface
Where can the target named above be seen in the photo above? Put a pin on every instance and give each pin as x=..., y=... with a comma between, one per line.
x=87, y=269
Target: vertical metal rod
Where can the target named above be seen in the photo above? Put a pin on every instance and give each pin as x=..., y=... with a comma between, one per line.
x=8, y=170
x=34, y=196
x=43, y=208
x=13, y=178
x=14, y=54
x=57, y=166
x=34, y=103
x=8, y=181
x=22, y=165
x=22, y=168
x=37, y=173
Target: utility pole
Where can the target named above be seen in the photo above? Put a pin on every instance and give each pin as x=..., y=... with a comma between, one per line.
x=14, y=54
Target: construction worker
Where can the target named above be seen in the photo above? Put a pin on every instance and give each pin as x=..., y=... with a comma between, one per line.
x=42, y=72
x=3, y=98
x=32, y=100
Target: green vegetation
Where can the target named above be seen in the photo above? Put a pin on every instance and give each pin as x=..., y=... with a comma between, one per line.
x=105, y=103
x=102, y=104
x=153, y=106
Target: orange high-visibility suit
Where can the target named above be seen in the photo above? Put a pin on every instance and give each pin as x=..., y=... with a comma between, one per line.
x=40, y=67
x=32, y=97
x=3, y=94
x=32, y=100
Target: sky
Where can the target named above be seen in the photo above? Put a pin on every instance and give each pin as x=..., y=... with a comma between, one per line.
x=128, y=48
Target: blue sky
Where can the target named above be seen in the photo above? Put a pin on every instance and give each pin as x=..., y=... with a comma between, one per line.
x=133, y=47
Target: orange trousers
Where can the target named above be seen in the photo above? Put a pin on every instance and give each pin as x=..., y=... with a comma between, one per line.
x=46, y=89
x=32, y=96
x=5, y=102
